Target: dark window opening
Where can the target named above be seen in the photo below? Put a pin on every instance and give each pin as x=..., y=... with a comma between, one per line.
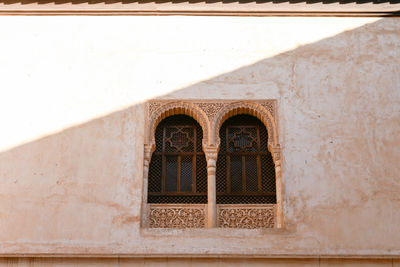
x=245, y=168
x=178, y=168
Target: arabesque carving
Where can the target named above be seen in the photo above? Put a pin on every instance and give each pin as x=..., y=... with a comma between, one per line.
x=250, y=217
x=153, y=106
x=270, y=106
x=177, y=216
x=211, y=108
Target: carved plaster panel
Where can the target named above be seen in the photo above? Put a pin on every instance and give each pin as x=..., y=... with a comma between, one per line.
x=212, y=108
x=177, y=216
x=153, y=106
x=246, y=216
x=270, y=106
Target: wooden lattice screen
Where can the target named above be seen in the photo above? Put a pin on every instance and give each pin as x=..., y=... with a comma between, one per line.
x=178, y=168
x=245, y=168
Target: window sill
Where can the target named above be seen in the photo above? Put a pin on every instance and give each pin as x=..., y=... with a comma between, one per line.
x=212, y=232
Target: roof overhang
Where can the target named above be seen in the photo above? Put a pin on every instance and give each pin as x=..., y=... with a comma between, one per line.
x=360, y=8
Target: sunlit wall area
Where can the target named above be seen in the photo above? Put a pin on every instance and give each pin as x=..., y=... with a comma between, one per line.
x=67, y=71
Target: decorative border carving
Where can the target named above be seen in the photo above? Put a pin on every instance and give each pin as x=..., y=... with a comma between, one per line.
x=177, y=216
x=246, y=216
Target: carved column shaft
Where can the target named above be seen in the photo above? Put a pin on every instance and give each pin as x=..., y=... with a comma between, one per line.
x=211, y=156
x=148, y=149
x=276, y=153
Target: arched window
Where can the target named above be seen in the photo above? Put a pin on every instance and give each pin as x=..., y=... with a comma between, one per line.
x=245, y=168
x=178, y=168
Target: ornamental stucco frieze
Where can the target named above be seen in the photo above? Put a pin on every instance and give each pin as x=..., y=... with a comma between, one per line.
x=246, y=216
x=177, y=216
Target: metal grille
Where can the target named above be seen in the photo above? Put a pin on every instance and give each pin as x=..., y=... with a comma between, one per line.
x=171, y=174
x=199, y=139
x=251, y=174
x=236, y=173
x=199, y=199
x=201, y=174
x=245, y=169
x=178, y=168
x=220, y=178
x=263, y=139
x=268, y=170
x=245, y=199
x=186, y=174
x=159, y=139
x=155, y=174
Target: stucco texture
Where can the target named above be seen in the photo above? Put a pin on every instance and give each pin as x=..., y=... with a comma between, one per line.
x=73, y=125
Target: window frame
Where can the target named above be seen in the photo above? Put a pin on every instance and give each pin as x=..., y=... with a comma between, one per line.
x=165, y=151
x=227, y=155
x=211, y=114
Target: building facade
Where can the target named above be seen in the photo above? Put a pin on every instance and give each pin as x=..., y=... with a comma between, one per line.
x=86, y=99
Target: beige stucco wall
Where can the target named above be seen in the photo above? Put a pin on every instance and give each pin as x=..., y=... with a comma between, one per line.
x=72, y=116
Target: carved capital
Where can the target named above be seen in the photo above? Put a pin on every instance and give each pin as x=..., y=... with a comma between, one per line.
x=211, y=153
x=148, y=150
x=276, y=153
